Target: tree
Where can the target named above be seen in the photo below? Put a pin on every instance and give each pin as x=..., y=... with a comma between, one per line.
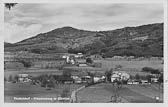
x=92, y=76
x=160, y=80
x=16, y=78
x=26, y=63
x=89, y=60
x=10, y=5
x=137, y=76
x=108, y=74
x=148, y=77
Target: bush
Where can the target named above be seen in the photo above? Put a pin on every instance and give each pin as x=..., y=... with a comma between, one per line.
x=160, y=79
x=155, y=71
x=147, y=69
x=151, y=70
x=27, y=64
x=89, y=60
x=108, y=74
x=148, y=77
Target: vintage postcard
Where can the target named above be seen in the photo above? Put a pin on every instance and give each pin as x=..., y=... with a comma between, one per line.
x=84, y=52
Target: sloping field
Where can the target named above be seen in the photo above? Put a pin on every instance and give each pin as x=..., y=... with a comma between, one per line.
x=132, y=64
x=27, y=90
x=132, y=67
x=151, y=91
x=102, y=93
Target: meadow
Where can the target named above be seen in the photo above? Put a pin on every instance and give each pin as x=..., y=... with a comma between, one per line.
x=27, y=90
x=101, y=93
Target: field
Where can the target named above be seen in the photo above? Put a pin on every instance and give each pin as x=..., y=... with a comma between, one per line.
x=101, y=93
x=26, y=90
x=131, y=67
x=32, y=72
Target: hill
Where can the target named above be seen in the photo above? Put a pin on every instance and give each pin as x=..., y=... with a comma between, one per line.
x=145, y=40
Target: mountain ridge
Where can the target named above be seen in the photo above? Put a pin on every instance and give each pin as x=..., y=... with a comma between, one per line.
x=144, y=40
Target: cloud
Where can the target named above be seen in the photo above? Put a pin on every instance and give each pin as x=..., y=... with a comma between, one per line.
x=46, y=17
x=15, y=33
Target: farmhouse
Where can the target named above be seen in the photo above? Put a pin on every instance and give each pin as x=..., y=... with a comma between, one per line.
x=144, y=82
x=23, y=78
x=119, y=75
x=79, y=55
x=81, y=63
x=99, y=78
x=132, y=82
x=96, y=57
x=154, y=79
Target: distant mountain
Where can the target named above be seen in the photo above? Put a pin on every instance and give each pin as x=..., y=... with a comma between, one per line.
x=145, y=40
x=6, y=44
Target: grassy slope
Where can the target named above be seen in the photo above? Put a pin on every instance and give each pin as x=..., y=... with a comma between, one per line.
x=102, y=93
x=27, y=90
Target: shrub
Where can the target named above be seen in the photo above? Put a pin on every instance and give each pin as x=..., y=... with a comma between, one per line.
x=26, y=63
x=147, y=69
x=148, y=77
x=151, y=70
x=155, y=71
x=89, y=60
x=160, y=80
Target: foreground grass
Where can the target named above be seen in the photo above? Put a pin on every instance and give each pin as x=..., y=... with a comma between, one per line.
x=27, y=90
x=101, y=93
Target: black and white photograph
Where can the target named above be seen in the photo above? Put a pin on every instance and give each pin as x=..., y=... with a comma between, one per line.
x=84, y=52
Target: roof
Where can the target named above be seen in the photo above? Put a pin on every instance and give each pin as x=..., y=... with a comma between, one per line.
x=115, y=76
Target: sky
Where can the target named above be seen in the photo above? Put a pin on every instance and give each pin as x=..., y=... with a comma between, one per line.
x=27, y=20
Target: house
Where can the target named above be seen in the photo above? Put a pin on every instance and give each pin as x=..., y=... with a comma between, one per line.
x=154, y=80
x=76, y=78
x=119, y=75
x=79, y=55
x=132, y=82
x=144, y=82
x=115, y=77
x=23, y=78
x=82, y=65
x=96, y=57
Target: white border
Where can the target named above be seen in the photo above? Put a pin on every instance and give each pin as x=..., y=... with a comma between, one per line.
x=2, y=104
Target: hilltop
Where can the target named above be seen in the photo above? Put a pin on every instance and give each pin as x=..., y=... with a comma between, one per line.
x=144, y=40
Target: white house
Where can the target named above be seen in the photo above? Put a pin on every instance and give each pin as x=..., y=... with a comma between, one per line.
x=119, y=75
x=132, y=82
x=115, y=77
x=154, y=79
x=145, y=82
x=23, y=78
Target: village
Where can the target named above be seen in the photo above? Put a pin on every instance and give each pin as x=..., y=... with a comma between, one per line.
x=76, y=69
